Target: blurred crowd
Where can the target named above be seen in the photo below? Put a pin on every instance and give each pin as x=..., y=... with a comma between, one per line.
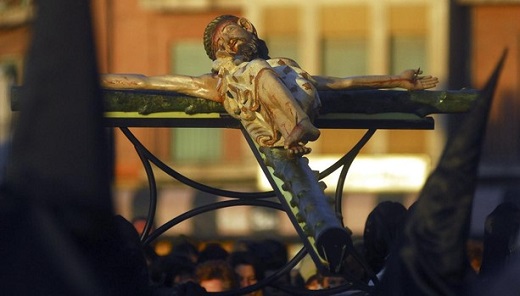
x=217, y=267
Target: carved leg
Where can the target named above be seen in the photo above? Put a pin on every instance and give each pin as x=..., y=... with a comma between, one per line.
x=285, y=113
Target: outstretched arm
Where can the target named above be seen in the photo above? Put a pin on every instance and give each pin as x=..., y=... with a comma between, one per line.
x=408, y=79
x=203, y=86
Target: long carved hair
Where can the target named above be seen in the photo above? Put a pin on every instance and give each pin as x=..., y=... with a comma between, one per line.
x=262, y=50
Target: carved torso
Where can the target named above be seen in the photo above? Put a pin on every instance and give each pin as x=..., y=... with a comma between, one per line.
x=244, y=99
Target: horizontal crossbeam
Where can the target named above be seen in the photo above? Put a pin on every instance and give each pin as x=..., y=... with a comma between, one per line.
x=353, y=109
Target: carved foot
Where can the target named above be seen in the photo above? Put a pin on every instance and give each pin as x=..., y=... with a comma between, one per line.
x=302, y=133
x=298, y=150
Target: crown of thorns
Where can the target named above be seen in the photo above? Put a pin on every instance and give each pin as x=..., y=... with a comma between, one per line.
x=210, y=30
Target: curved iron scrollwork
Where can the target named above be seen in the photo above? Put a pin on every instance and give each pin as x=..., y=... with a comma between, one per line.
x=247, y=199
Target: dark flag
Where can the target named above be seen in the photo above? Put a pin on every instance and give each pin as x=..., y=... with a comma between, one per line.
x=59, y=235
x=431, y=259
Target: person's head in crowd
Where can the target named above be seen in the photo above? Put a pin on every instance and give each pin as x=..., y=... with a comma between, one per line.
x=171, y=270
x=272, y=256
x=353, y=270
x=139, y=223
x=383, y=227
x=271, y=253
x=187, y=249
x=314, y=282
x=212, y=251
x=333, y=281
x=246, y=269
x=215, y=276
x=500, y=237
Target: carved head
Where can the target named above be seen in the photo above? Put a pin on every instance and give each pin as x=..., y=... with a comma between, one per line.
x=235, y=36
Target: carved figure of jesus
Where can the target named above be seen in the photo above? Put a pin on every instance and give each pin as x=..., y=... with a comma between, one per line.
x=274, y=98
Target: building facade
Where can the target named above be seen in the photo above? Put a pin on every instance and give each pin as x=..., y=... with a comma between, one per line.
x=457, y=41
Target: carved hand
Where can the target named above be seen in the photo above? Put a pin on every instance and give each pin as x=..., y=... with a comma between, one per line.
x=412, y=81
x=123, y=81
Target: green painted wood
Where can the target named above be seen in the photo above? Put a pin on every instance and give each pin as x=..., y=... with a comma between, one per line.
x=420, y=103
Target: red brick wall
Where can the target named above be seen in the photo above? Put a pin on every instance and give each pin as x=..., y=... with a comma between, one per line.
x=495, y=28
x=132, y=39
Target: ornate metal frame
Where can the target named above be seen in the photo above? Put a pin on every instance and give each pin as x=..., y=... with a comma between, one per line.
x=246, y=198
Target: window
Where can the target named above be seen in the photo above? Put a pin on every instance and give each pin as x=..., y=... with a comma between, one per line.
x=408, y=37
x=408, y=52
x=193, y=144
x=344, y=57
x=283, y=47
x=8, y=75
x=196, y=144
x=189, y=5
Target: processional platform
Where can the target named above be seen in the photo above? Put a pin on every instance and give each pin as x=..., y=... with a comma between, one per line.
x=316, y=217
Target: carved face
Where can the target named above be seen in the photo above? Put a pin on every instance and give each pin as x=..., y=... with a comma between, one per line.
x=236, y=40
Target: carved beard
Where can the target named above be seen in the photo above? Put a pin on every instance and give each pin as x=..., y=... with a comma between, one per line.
x=248, y=51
